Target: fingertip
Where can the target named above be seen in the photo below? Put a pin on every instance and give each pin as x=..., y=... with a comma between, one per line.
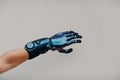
x=80, y=41
x=80, y=36
x=70, y=50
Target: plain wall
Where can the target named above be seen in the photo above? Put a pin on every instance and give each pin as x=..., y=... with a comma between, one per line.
x=98, y=21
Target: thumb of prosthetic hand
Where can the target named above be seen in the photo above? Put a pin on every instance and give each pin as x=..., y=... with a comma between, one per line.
x=56, y=42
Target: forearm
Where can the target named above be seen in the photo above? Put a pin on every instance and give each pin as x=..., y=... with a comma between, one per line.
x=12, y=59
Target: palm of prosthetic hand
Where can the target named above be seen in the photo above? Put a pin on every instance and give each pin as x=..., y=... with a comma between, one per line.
x=63, y=39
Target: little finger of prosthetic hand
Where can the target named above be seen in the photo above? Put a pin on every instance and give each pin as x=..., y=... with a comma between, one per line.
x=57, y=42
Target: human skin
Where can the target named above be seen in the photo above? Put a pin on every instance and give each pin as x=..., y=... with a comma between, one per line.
x=12, y=59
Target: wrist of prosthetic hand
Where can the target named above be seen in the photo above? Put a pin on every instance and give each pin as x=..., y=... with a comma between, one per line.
x=56, y=42
x=37, y=47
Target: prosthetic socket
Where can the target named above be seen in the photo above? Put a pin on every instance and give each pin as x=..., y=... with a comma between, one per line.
x=56, y=42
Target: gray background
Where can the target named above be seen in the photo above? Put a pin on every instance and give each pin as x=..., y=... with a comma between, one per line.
x=97, y=58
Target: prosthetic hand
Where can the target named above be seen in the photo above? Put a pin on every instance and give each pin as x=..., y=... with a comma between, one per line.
x=56, y=42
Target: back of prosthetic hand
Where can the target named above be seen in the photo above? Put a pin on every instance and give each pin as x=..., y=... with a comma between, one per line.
x=56, y=42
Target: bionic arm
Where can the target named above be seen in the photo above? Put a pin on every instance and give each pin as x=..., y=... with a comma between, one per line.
x=56, y=42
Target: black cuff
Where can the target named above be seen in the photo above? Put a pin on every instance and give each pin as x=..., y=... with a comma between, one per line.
x=37, y=47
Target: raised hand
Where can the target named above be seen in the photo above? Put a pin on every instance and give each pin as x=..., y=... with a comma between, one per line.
x=63, y=39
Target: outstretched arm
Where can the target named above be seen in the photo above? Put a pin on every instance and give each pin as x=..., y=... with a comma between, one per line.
x=34, y=48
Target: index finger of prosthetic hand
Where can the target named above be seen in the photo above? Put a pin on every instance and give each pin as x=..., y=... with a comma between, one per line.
x=74, y=36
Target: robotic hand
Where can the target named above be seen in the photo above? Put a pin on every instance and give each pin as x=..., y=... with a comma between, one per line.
x=63, y=39
x=56, y=42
